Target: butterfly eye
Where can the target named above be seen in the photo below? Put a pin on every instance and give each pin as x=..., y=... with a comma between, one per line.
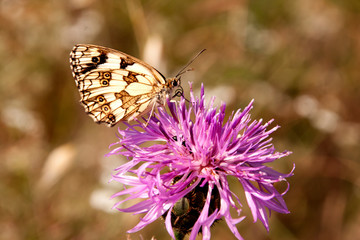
x=175, y=83
x=104, y=83
x=95, y=59
x=111, y=117
x=105, y=108
x=100, y=99
x=107, y=75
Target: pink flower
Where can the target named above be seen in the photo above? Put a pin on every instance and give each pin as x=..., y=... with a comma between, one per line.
x=179, y=165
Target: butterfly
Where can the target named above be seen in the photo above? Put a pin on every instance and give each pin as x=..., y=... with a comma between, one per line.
x=115, y=86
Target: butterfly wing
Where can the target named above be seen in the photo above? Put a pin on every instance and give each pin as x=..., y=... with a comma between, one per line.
x=113, y=85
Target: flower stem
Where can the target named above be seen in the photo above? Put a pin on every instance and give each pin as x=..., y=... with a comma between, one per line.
x=179, y=235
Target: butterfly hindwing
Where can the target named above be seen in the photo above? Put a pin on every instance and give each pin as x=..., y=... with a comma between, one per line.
x=113, y=85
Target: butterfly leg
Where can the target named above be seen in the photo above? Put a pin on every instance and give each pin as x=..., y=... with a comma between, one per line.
x=151, y=113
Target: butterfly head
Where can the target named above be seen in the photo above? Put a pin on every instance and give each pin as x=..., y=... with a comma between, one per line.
x=174, y=84
x=174, y=87
x=178, y=90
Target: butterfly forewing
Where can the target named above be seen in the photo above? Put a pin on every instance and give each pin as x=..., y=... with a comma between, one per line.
x=113, y=85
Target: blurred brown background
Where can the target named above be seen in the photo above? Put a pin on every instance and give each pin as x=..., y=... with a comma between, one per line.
x=298, y=59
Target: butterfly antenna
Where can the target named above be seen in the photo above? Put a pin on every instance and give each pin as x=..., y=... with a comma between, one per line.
x=184, y=70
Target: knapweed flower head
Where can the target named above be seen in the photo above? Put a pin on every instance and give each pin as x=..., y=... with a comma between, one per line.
x=181, y=162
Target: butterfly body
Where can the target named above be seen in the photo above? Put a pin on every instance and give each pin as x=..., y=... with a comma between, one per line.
x=115, y=86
